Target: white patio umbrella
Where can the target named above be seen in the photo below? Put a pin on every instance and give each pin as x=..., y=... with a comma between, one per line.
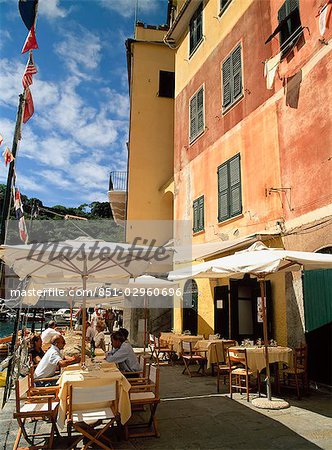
x=81, y=260
x=147, y=286
x=260, y=261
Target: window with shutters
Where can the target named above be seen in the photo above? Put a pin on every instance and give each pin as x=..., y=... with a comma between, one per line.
x=196, y=114
x=196, y=29
x=223, y=5
x=289, y=23
x=229, y=189
x=232, y=78
x=198, y=214
x=166, y=84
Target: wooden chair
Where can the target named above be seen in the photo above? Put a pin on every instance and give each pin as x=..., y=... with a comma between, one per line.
x=222, y=365
x=151, y=345
x=85, y=421
x=161, y=348
x=40, y=407
x=299, y=372
x=240, y=376
x=143, y=374
x=41, y=390
x=192, y=356
x=145, y=395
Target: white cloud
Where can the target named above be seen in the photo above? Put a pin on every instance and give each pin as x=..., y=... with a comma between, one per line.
x=126, y=8
x=27, y=183
x=80, y=51
x=117, y=103
x=51, y=9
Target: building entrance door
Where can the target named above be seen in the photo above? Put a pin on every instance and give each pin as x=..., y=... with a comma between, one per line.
x=190, y=307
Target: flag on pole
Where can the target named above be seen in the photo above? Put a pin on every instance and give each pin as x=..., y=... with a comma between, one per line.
x=20, y=216
x=1, y=139
x=29, y=71
x=28, y=106
x=31, y=41
x=8, y=156
x=28, y=11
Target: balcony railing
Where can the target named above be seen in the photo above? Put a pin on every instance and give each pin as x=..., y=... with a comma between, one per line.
x=118, y=181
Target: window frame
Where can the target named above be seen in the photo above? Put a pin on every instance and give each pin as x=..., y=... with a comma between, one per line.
x=198, y=42
x=288, y=40
x=234, y=100
x=166, y=96
x=199, y=219
x=222, y=9
x=198, y=134
x=229, y=189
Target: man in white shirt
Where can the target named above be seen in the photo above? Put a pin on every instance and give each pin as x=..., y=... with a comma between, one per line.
x=53, y=360
x=123, y=354
x=50, y=331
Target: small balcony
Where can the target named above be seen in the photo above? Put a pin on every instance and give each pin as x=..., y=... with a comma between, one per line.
x=117, y=195
x=118, y=181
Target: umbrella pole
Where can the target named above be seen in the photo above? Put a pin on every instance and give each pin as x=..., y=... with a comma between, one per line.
x=145, y=321
x=266, y=341
x=84, y=278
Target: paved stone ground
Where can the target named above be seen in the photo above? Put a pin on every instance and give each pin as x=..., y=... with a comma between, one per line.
x=192, y=416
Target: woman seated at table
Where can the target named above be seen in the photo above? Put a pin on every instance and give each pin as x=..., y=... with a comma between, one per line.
x=99, y=336
x=122, y=354
x=36, y=350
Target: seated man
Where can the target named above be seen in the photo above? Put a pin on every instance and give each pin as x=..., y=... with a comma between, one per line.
x=124, y=332
x=52, y=360
x=90, y=332
x=99, y=336
x=122, y=354
x=50, y=331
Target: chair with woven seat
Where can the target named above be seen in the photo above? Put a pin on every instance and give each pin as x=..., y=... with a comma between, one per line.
x=145, y=395
x=39, y=407
x=85, y=421
x=221, y=364
x=291, y=376
x=190, y=356
x=239, y=377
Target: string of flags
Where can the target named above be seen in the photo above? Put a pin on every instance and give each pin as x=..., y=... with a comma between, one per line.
x=28, y=11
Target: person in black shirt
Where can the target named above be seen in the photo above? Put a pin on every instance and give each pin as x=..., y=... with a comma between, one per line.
x=36, y=350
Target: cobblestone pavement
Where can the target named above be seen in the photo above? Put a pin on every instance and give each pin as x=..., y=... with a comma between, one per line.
x=192, y=416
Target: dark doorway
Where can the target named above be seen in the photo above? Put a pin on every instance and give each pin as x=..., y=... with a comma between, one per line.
x=221, y=311
x=190, y=307
x=247, y=321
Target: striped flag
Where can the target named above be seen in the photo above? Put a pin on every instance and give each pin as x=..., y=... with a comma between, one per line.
x=20, y=216
x=29, y=71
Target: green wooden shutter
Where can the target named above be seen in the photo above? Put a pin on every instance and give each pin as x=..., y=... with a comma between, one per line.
x=317, y=298
x=195, y=216
x=237, y=73
x=226, y=82
x=200, y=111
x=201, y=213
x=193, y=117
x=223, y=195
x=235, y=186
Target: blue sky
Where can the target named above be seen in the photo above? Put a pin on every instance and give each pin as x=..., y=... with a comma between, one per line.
x=79, y=130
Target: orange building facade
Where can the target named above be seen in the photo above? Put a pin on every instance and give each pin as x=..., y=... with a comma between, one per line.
x=252, y=153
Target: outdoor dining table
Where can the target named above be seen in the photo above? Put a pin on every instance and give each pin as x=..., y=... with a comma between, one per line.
x=205, y=345
x=176, y=339
x=93, y=377
x=256, y=356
